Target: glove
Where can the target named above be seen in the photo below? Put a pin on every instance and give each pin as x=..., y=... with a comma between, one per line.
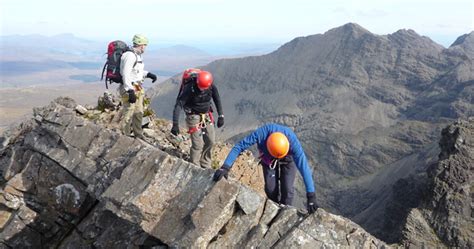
x=151, y=76
x=312, y=206
x=132, y=98
x=222, y=172
x=175, y=130
x=220, y=121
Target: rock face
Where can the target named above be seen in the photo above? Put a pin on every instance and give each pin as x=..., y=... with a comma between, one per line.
x=68, y=182
x=446, y=213
x=367, y=108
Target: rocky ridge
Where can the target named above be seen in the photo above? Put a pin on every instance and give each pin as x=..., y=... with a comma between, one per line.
x=70, y=182
x=367, y=108
x=445, y=213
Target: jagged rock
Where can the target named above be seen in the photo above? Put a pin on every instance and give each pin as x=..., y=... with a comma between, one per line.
x=234, y=233
x=77, y=184
x=448, y=207
x=49, y=201
x=107, y=102
x=324, y=230
x=248, y=200
x=246, y=169
x=271, y=210
x=81, y=109
x=255, y=236
x=418, y=233
x=284, y=221
x=214, y=211
x=102, y=229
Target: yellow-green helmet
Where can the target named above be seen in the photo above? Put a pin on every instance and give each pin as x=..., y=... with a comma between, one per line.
x=140, y=40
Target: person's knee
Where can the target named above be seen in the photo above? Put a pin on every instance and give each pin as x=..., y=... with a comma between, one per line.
x=210, y=143
x=210, y=137
x=288, y=193
x=196, y=144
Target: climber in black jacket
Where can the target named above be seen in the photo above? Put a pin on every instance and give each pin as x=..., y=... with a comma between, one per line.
x=195, y=98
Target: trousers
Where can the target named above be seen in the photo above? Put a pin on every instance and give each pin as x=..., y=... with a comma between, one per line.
x=279, y=182
x=202, y=140
x=132, y=114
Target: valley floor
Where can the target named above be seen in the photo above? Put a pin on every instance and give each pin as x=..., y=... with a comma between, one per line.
x=17, y=104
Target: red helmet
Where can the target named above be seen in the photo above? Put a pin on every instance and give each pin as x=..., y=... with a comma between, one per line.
x=204, y=80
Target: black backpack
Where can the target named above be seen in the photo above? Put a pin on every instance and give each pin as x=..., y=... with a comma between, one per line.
x=111, y=68
x=189, y=75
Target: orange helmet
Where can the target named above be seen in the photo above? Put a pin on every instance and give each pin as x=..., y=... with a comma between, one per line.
x=204, y=80
x=278, y=145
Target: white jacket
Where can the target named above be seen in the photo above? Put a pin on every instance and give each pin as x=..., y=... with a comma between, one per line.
x=131, y=74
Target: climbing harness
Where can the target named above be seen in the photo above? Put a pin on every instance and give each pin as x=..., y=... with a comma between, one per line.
x=204, y=120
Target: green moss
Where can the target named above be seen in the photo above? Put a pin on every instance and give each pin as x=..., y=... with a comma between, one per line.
x=92, y=116
x=215, y=164
x=160, y=122
x=148, y=112
x=146, y=101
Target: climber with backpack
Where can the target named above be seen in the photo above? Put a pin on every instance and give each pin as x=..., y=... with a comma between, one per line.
x=281, y=154
x=125, y=66
x=195, y=95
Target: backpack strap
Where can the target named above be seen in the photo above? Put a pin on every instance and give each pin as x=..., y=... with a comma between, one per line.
x=103, y=71
x=136, y=57
x=102, y=77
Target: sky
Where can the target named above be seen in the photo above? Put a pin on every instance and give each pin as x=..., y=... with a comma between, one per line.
x=225, y=21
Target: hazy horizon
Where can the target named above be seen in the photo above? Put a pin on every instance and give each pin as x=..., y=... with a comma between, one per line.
x=222, y=22
x=223, y=47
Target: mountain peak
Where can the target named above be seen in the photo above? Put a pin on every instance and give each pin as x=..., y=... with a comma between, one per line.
x=409, y=36
x=406, y=35
x=465, y=41
x=464, y=38
x=349, y=31
x=353, y=29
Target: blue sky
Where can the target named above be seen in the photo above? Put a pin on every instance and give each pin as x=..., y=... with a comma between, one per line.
x=264, y=21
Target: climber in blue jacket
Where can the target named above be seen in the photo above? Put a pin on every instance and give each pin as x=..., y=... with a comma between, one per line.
x=281, y=154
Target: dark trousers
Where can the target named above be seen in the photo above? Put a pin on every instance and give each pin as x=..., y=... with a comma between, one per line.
x=279, y=182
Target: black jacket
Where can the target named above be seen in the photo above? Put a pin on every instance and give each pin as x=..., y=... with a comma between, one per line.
x=195, y=101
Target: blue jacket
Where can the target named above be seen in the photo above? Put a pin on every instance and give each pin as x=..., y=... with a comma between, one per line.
x=259, y=137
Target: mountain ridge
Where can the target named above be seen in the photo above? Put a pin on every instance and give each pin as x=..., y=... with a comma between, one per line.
x=69, y=179
x=351, y=97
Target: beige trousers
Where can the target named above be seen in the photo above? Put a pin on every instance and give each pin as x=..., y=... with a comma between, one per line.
x=132, y=114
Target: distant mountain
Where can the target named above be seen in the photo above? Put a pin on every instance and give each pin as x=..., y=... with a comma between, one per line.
x=367, y=108
x=37, y=59
x=180, y=50
x=37, y=47
x=29, y=56
x=176, y=58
